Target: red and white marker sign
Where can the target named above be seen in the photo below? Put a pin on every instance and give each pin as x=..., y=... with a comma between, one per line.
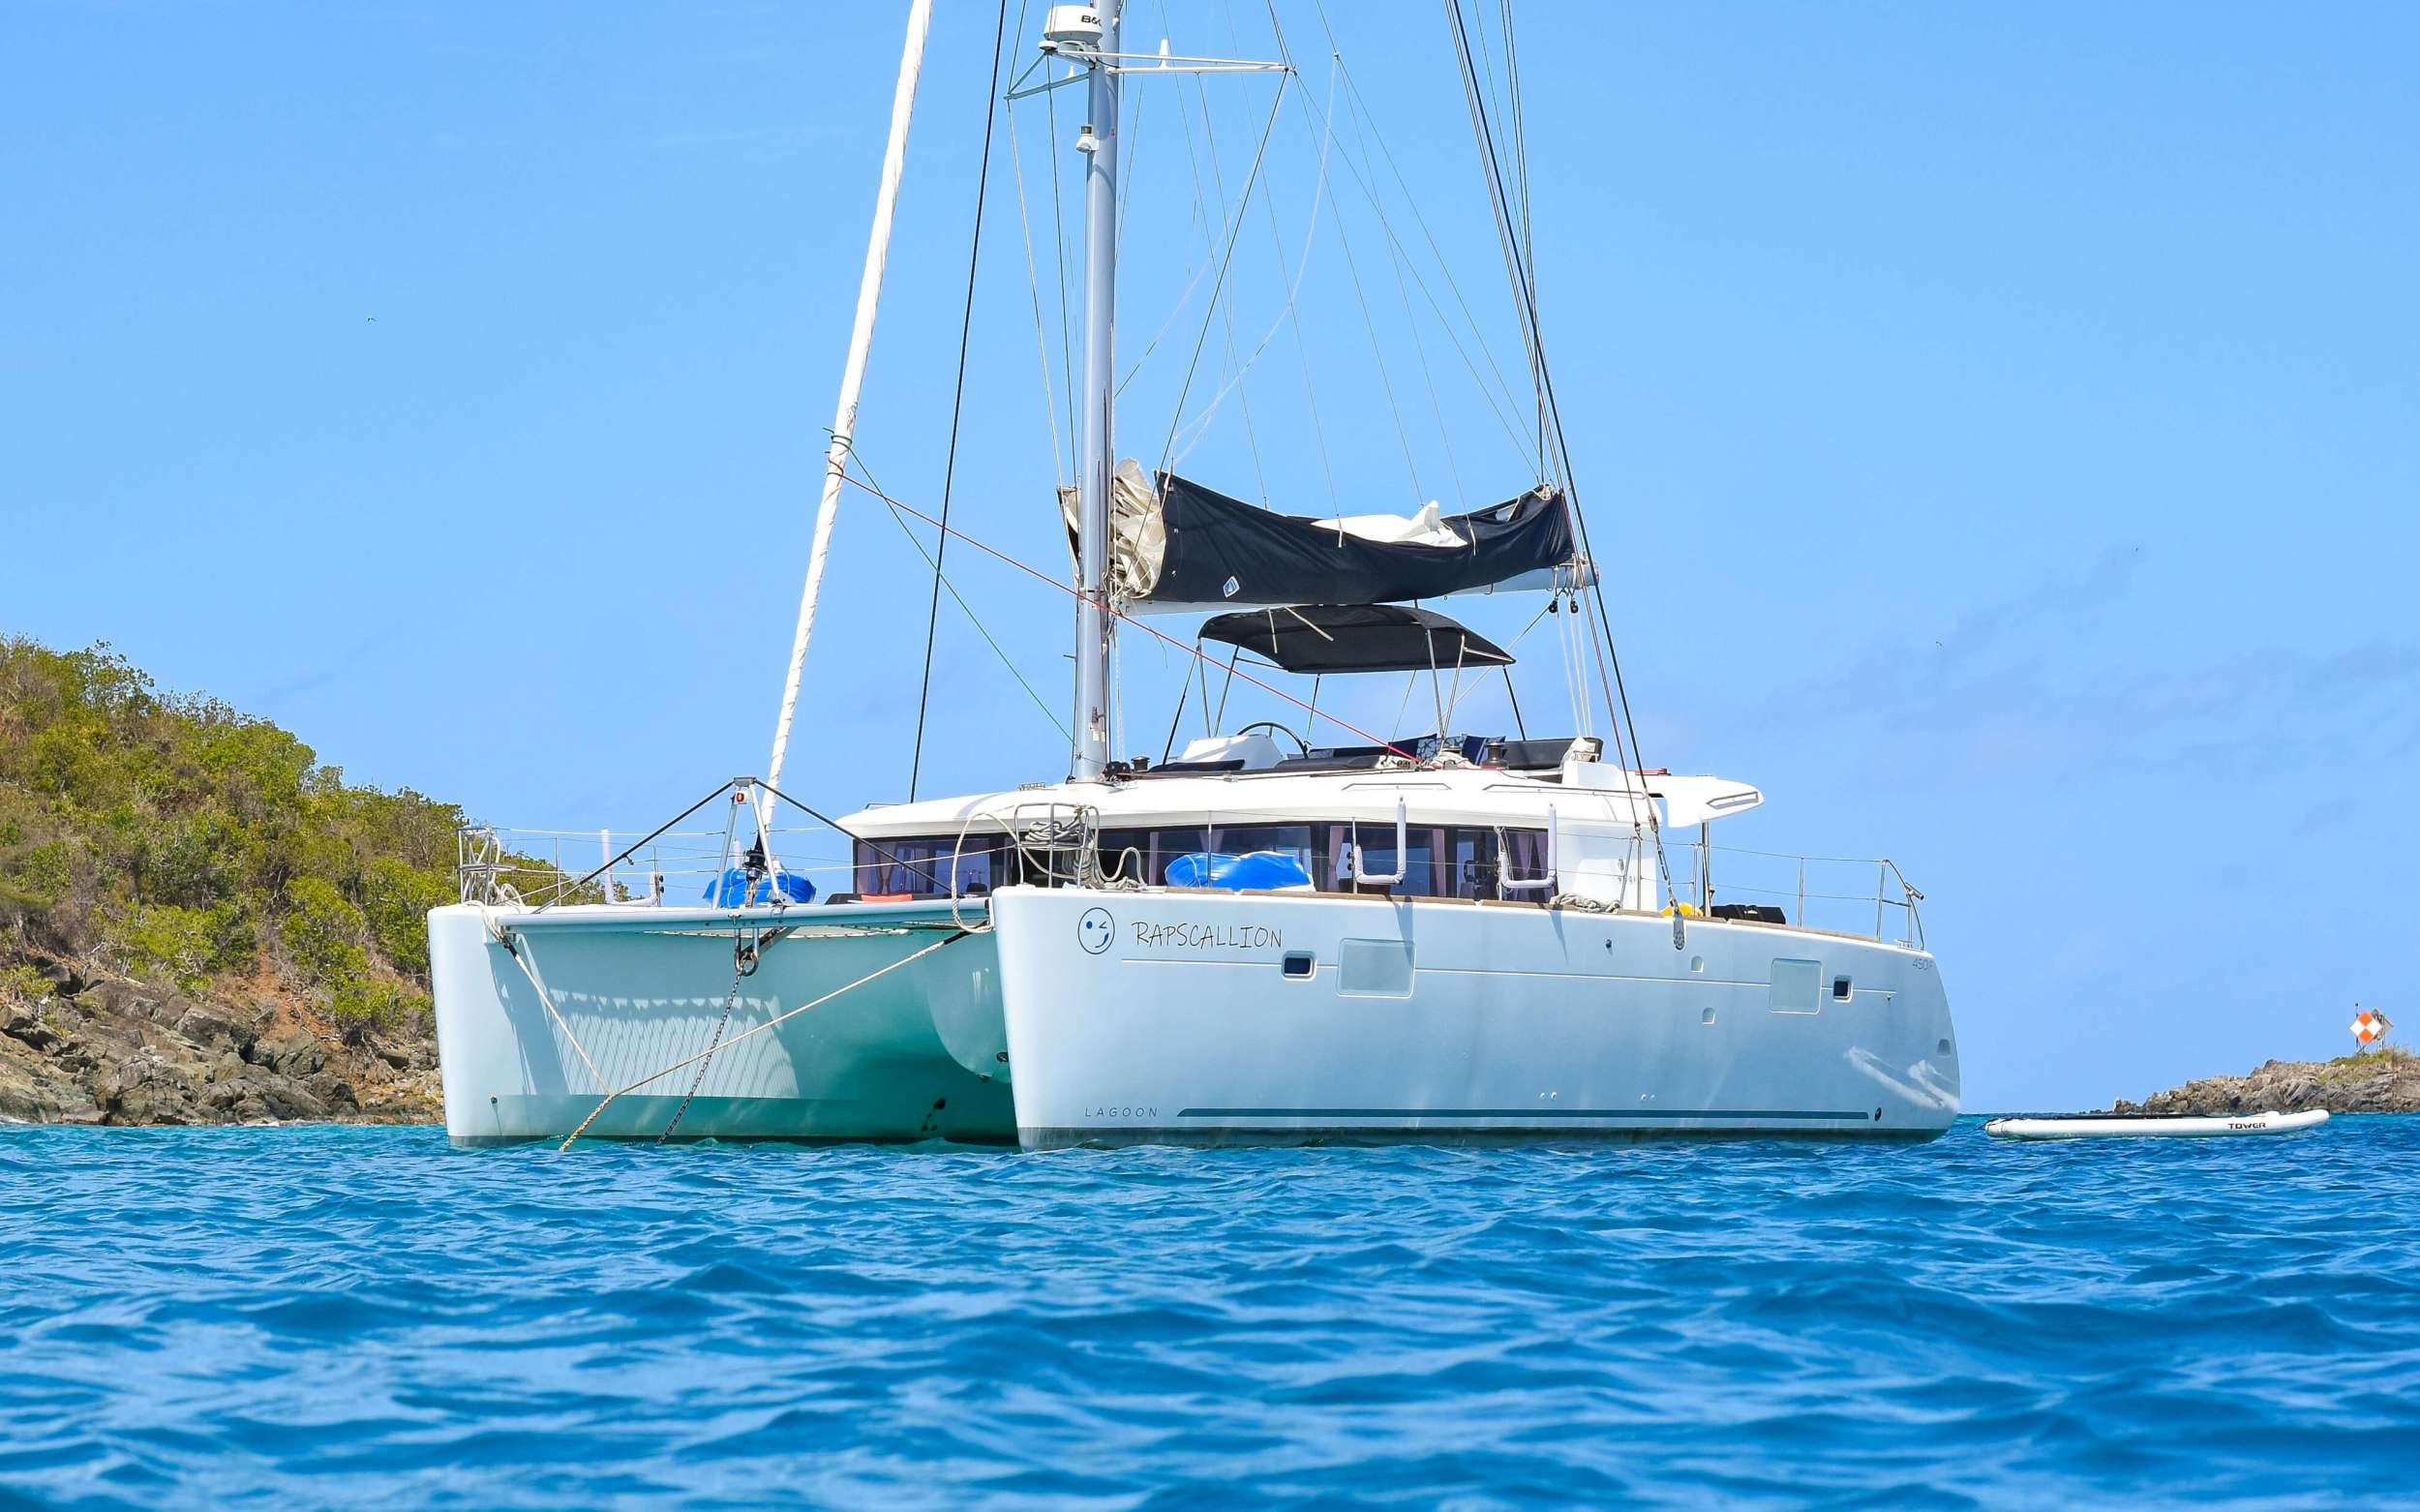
x=2369, y=1026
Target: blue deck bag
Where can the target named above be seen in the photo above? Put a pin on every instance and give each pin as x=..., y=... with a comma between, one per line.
x=1259, y=870
x=731, y=890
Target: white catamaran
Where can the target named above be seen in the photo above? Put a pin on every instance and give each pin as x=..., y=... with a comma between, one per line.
x=1253, y=939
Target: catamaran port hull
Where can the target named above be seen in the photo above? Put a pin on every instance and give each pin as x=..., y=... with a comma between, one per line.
x=583, y=1001
x=1216, y=1018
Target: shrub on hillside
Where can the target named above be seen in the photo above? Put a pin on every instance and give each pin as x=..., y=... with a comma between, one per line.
x=179, y=840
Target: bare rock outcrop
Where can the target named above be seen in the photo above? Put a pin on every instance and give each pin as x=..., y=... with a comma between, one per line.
x=99, y=1049
x=2378, y=1081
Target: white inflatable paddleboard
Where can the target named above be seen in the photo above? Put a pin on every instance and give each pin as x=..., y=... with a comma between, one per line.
x=2155, y=1125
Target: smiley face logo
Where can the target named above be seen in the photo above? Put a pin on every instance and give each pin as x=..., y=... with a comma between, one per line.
x=1094, y=930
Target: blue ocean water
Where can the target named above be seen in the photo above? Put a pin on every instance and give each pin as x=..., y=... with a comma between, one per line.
x=366, y=1318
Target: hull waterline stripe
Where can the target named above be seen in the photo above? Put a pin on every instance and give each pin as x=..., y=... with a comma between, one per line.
x=1513, y=1112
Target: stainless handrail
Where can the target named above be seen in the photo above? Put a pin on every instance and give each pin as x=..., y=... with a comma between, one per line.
x=1059, y=843
x=1889, y=880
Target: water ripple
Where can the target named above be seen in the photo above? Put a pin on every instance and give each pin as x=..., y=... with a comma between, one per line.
x=362, y=1316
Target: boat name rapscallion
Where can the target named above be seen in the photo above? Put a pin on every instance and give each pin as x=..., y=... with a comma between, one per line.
x=1208, y=937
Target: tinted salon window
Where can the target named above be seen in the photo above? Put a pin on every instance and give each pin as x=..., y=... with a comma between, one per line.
x=921, y=866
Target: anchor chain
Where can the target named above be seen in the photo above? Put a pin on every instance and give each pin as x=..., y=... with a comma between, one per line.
x=743, y=955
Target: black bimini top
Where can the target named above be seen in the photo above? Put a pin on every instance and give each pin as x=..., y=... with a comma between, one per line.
x=1356, y=638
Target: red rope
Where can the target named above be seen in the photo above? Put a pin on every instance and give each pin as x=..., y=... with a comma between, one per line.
x=1191, y=650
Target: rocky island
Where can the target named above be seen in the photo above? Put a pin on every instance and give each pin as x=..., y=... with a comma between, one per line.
x=2384, y=1080
x=91, y=1047
x=199, y=921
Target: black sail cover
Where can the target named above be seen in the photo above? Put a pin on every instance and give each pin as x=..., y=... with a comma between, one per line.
x=1220, y=551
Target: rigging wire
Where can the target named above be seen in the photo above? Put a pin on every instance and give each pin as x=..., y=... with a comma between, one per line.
x=957, y=400
x=1518, y=187
x=1428, y=374
x=1058, y=251
x=1129, y=149
x=1509, y=110
x=1232, y=370
x=958, y=598
x=1229, y=225
x=1224, y=688
x=1378, y=355
x=1184, y=691
x=1277, y=245
x=1359, y=105
x=1609, y=660
x=1144, y=625
x=1033, y=286
x=1198, y=427
x=1196, y=272
x=1226, y=262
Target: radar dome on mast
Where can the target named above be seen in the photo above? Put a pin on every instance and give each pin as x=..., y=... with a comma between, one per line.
x=1072, y=28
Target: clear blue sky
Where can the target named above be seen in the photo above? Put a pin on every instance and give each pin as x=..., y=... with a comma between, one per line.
x=2001, y=425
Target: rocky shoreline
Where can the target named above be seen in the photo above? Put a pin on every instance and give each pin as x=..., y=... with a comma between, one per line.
x=2379, y=1081
x=101, y=1048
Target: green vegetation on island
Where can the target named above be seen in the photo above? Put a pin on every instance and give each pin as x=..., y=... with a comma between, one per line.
x=171, y=838
x=199, y=920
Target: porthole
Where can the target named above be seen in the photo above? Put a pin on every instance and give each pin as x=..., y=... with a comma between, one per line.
x=1840, y=989
x=1299, y=964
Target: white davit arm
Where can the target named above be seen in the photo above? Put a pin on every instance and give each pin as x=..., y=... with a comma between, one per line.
x=1403, y=851
x=853, y=375
x=1513, y=884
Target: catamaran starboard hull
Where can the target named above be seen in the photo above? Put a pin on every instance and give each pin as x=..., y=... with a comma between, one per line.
x=1218, y=1018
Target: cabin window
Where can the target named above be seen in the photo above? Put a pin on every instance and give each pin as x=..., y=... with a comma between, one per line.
x=920, y=866
x=1144, y=854
x=1446, y=861
x=1840, y=989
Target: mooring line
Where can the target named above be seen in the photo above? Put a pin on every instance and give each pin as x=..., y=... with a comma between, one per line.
x=951, y=939
x=513, y=947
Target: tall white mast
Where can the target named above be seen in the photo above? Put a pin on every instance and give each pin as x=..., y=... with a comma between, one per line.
x=853, y=374
x=1096, y=450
